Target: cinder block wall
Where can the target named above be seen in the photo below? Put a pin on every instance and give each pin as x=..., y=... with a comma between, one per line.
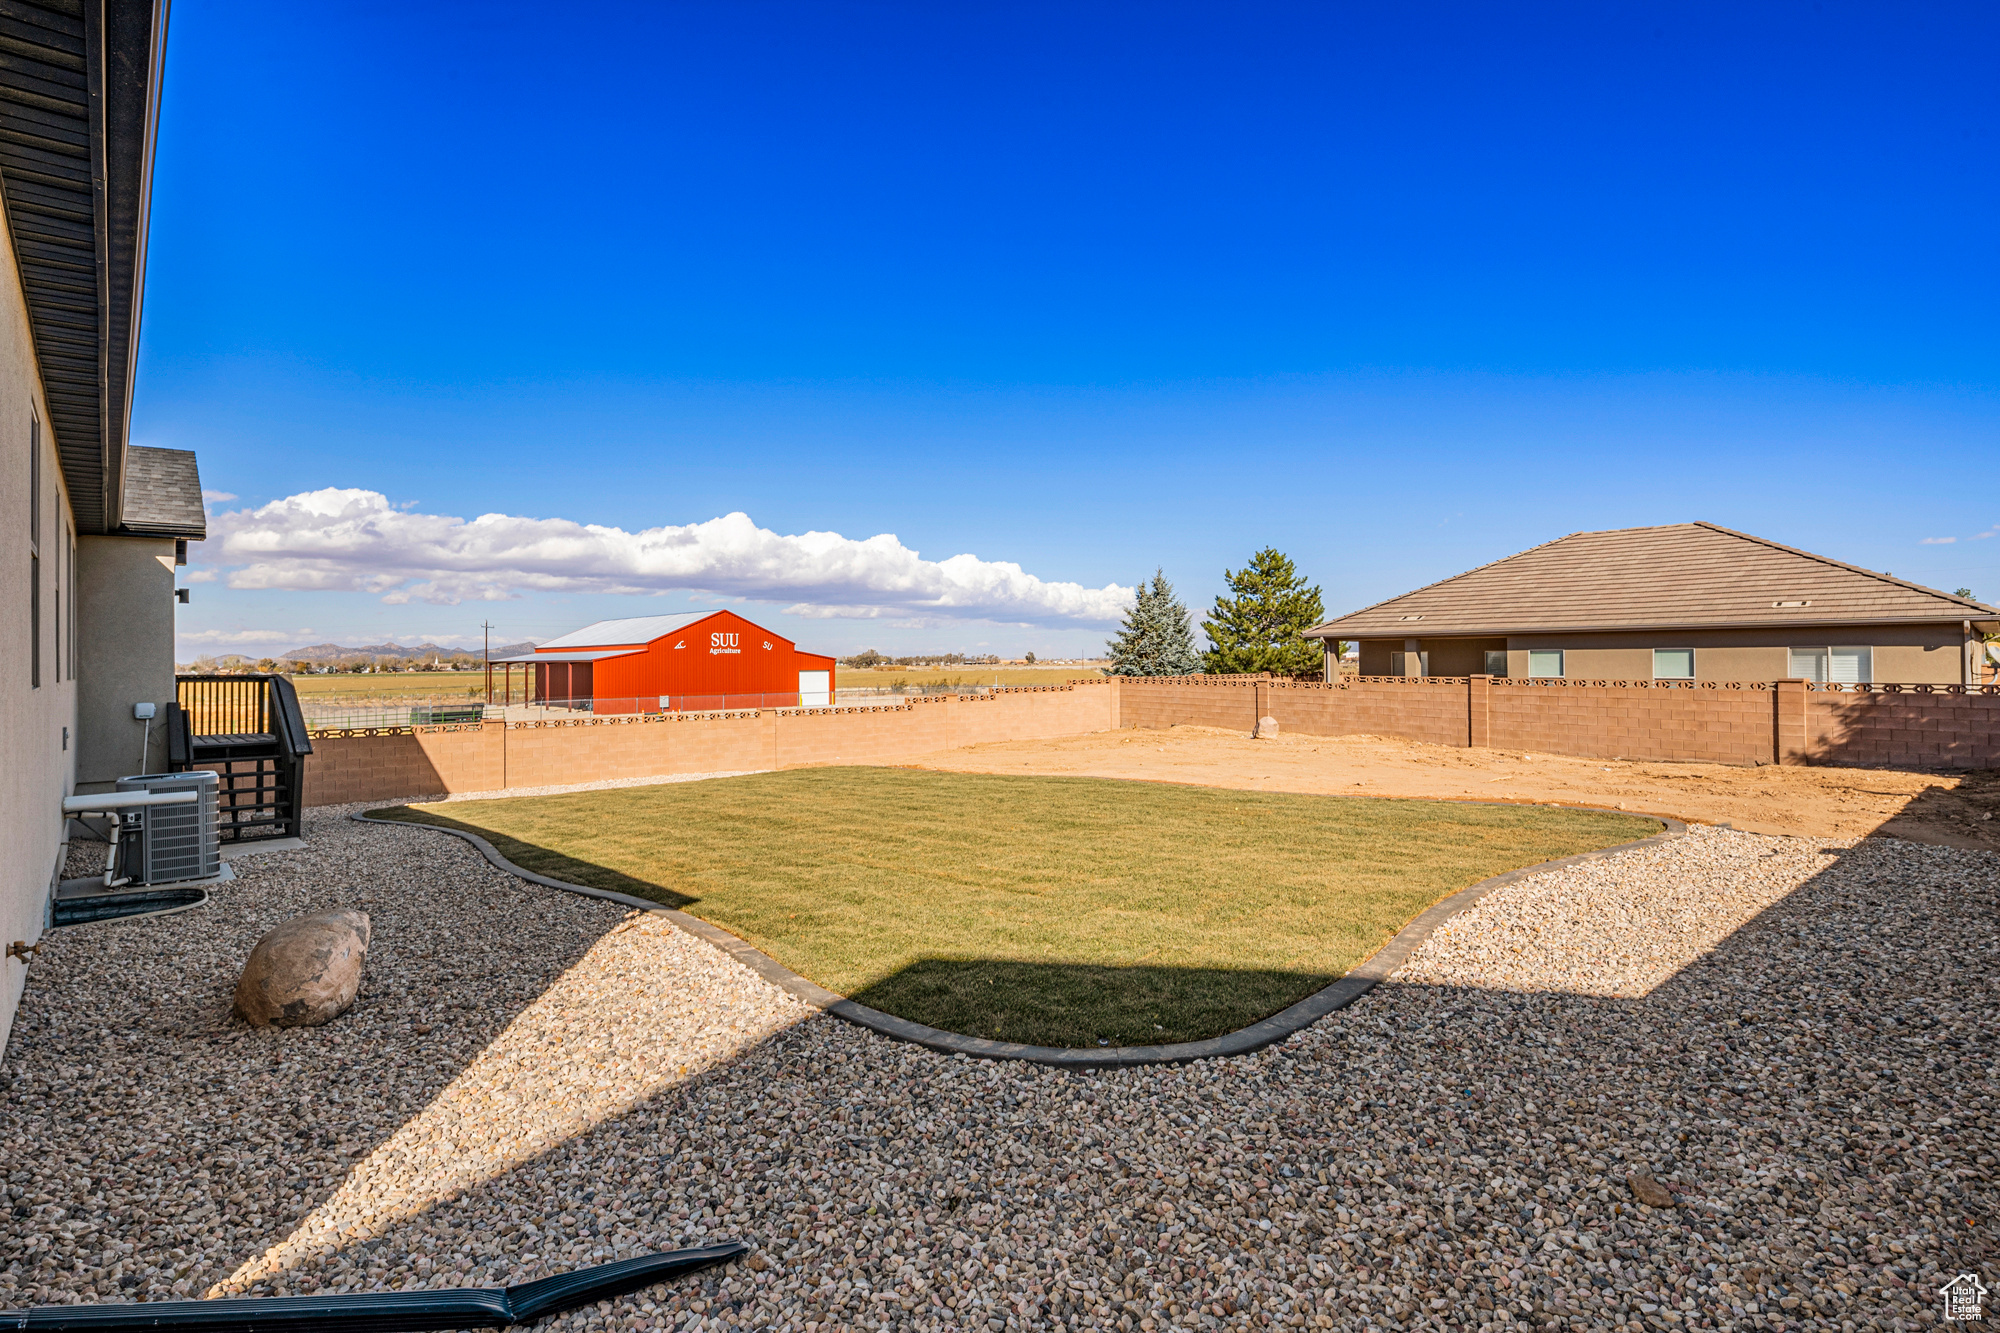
x=1746, y=722
x=1909, y=729
x=495, y=756
x=1628, y=721
x=1431, y=710
x=1727, y=722
x=1188, y=701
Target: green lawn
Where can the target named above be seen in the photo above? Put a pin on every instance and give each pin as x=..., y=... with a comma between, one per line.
x=1059, y=911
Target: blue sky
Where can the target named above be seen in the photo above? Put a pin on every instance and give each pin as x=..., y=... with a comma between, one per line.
x=1082, y=290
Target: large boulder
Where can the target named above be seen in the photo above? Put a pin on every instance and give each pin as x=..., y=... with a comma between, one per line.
x=305, y=971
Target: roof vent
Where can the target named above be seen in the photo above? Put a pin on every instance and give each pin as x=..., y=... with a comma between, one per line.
x=1413, y=617
x=1805, y=603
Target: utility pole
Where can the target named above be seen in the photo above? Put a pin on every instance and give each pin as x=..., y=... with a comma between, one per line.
x=487, y=654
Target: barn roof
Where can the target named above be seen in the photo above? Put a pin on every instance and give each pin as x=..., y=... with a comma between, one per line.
x=1680, y=575
x=633, y=629
x=595, y=655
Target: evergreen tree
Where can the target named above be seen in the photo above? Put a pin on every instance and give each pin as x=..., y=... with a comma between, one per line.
x=1156, y=639
x=1262, y=627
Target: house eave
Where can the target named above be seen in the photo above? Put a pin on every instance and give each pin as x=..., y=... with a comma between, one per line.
x=177, y=531
x=79, y=108
x=1416, y=630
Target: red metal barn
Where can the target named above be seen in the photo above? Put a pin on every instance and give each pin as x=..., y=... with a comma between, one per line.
x=697, y=660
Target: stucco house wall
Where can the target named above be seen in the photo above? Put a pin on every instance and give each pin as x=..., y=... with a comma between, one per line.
x=1901, y=654
x=37, y=723
x=128, y=642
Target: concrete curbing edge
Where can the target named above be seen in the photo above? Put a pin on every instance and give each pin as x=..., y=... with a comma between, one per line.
x=1371, y=972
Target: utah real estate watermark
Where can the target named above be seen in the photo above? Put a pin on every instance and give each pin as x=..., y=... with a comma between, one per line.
x=1963, y=1296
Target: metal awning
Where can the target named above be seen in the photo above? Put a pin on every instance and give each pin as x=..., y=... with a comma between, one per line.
x=596, y=655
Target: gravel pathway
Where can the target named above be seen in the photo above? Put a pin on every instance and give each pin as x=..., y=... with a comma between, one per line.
x=1795, y=1037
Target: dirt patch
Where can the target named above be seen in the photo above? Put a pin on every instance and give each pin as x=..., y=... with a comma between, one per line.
x=1953, y=810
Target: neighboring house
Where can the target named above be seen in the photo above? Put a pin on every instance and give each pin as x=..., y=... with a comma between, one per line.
x=698, y=660
x=87, y=594
x=1684, y=601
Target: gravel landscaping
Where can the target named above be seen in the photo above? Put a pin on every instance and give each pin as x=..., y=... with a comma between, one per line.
x=1794, y=1037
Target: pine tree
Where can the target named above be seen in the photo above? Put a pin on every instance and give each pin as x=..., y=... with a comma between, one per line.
x=1156, y=639
x=1262, y=627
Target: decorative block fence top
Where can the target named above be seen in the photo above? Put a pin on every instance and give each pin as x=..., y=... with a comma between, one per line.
x=1555, y=683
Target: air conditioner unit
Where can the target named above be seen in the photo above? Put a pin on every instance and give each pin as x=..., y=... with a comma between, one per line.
x=165, y=843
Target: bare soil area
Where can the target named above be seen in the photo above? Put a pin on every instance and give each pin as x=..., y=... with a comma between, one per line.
x=1949, y=809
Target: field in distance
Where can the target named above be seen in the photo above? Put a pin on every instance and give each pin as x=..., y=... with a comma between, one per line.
x=425, y=685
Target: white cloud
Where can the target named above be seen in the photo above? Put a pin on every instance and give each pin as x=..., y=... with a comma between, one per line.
x=1937, y=541
x=199, y=576
x=357, y=540
x=817, y=611
x=230, y=638
x=217, y=497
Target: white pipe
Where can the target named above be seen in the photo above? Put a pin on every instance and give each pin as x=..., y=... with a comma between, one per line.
x=111, y=854
x=106, y=802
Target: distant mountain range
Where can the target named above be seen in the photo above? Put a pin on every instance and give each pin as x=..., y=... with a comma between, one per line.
x=333, y=652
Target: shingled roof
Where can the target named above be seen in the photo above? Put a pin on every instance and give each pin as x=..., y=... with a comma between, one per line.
x=163, y=493
x=1680, y=575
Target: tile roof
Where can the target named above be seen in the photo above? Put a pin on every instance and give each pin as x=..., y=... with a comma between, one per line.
x=1680, y=575
x=163, y=494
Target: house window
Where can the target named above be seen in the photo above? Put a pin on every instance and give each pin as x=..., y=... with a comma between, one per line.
x=1673, y=664
x=34, y=554
x=1399, y=663
x=1545, y=661
x=1833, y=665
x=69, y=543
x=34, y=622
x=1496, y=661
